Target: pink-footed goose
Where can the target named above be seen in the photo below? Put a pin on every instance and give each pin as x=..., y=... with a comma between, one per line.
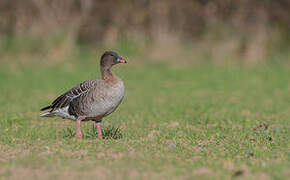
x=91, y=99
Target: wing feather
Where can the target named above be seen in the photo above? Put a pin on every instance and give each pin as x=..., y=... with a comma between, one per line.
x=65, y=99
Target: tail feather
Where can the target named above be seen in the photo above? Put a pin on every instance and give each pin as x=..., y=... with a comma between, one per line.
x=45, y=108
x=47, y=114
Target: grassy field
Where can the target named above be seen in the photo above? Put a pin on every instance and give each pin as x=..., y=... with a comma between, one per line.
x=176, y=122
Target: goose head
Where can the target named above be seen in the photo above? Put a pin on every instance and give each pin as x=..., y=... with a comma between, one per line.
x=110, y=58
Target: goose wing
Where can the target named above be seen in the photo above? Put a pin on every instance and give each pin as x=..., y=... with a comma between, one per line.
x=65, y=99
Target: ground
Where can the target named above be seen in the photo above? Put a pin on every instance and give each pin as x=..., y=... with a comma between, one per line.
x=176, y=122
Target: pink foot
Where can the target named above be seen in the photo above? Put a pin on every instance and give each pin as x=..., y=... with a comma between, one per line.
x=79, y=135
x=99, y=130
x=79, y=130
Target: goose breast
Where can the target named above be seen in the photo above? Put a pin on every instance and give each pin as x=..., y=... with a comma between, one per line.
x=104, y=100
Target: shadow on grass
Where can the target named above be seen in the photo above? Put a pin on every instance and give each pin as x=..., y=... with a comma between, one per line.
x=110, y=132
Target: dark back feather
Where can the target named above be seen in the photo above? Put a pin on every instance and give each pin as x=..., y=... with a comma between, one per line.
x=64, y=99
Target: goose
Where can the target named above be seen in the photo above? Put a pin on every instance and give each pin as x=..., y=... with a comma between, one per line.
x=91, y=99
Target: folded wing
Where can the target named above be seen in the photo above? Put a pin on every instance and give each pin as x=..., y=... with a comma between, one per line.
x=64, y=100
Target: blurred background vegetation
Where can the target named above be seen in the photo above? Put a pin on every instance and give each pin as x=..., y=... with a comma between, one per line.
x=220, y=31
x=207, y=88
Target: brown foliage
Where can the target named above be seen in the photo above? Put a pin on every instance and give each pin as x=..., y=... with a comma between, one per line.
x=245, y=25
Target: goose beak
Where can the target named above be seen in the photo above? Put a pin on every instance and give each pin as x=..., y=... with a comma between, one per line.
x=121, y=60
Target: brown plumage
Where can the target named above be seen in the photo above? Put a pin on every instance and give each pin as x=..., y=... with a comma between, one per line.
x=64, y=99
x=91, y=99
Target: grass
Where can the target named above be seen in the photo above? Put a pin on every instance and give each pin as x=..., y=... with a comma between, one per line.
x=175, y=122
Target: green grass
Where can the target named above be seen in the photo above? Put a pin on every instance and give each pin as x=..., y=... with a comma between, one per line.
x=175, y=122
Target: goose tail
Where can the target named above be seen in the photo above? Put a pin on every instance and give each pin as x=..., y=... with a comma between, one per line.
x=47, y=114
x=45, y=108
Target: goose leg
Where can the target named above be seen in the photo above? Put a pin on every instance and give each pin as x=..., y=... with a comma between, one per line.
x=99, y=130
x=79, y=130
